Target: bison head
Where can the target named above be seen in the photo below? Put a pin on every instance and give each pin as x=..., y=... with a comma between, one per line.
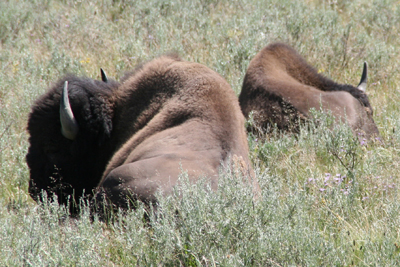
x=70, y=128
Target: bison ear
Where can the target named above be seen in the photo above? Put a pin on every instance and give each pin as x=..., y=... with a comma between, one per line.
x=103, y=76
x=363, y=83
x=69, y=126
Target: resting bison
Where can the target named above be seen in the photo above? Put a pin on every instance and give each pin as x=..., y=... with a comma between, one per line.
x=128, y=141
x=280, y=87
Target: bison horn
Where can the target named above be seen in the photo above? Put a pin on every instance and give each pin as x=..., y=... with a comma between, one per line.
x=69, y=126
x=103, y=76
x=363, y=83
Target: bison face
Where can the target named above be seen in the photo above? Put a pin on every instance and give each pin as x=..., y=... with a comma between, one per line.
x=63, y=162
x=53, y=168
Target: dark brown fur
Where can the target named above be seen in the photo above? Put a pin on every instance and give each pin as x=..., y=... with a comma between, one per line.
x=62, y=167
x=280, y=88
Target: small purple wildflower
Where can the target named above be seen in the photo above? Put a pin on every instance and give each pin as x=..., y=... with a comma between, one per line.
x=338, y=178
x=322, y=189
x=363, y=142
x=327, y=177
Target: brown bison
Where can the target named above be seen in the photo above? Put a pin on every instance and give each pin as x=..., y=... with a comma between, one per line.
x=127, y=141
x=281, y=88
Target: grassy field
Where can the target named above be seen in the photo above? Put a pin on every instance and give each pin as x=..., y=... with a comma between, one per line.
x=327, y=200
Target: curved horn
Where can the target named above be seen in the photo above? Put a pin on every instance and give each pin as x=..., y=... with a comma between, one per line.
x=103, y=76
x=69, y=126
x=363, y=83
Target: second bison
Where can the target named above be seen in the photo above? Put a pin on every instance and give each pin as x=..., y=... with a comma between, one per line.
x=281, y=88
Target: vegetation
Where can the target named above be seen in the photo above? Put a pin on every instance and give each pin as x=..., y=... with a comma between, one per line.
x=328, y=198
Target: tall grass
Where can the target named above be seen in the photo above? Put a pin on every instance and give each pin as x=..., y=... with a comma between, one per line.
x=327, y=198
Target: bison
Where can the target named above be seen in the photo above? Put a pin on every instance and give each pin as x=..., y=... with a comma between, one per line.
x=281, y=88
x=126, y=141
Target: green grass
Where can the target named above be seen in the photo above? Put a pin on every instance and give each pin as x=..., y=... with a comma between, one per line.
x=326, y=199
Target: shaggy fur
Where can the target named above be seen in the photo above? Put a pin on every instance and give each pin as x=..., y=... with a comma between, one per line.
x=135, y=138
x=280, y=88
x=59, y=166
x=175, y=116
